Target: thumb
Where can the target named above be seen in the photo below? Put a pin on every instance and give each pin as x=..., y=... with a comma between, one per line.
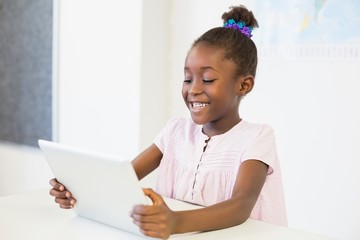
x=155, y=198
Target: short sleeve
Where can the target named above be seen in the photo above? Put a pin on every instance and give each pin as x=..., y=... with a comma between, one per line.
x=160, y=138
x=263, y=148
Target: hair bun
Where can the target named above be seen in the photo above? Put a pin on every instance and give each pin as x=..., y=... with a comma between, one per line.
x=240, y=14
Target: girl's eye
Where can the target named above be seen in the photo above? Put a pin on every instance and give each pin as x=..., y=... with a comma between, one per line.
x=208, y=80
x=187, y=81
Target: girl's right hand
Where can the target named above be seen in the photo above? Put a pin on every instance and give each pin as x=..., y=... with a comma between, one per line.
x=62, y=196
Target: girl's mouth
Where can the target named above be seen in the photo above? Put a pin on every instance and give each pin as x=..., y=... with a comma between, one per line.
x=198, y=106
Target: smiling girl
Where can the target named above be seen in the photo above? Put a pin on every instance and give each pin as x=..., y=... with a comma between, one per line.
x=215, y=159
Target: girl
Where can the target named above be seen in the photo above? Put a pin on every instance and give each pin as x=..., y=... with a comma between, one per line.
x=214, y=159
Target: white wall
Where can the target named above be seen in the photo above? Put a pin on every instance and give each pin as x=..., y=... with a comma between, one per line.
x=313, y=107
x=111, y=72
x=98, y=75
x=155, y=69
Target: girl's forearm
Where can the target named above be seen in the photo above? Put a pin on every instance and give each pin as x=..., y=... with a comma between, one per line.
x=222, y=215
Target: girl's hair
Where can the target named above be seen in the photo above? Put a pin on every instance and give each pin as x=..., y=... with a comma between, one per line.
x=237, y=46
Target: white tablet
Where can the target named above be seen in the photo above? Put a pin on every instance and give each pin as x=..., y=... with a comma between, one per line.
x=105, y=186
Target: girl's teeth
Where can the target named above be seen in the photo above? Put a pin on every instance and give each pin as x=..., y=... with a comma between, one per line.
x=199, y=105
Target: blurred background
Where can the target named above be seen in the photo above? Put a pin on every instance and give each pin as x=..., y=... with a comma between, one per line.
x=106, y=75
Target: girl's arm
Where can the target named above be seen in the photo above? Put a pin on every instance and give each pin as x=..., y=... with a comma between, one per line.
x=159, y=221
x=147, y=161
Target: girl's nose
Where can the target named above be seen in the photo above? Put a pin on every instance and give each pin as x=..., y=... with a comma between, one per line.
x=195, y=87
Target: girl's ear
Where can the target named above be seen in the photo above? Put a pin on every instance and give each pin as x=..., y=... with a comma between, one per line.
x=246, y=84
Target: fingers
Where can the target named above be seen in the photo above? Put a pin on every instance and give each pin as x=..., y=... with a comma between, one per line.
x=155, y=225
x=62, y=196
x=152, y=230
x=158, y=204
x=65, y=203
x=58, y=189
x=155, y=198
x=154, y=220
x=147, y=214
x=143, y=211
x=56, y=185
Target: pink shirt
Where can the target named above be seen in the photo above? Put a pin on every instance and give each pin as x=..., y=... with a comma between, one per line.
x=207, y=177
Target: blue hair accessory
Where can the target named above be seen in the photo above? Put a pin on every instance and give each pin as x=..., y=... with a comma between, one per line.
x=240, y=26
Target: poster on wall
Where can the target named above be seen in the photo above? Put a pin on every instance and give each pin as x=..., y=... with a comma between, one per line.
x=316, y=29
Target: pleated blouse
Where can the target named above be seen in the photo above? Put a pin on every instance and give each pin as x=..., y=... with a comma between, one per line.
x=203, y=170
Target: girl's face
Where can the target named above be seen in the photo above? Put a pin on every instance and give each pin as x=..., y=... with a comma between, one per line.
x=210, y=90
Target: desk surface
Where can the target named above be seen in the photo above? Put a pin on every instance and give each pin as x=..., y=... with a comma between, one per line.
x=34, y=215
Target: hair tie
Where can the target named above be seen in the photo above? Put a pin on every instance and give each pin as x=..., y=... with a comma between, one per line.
x=240, y=26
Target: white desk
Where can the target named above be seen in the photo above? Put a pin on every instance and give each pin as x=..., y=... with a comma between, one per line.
x=34, y=215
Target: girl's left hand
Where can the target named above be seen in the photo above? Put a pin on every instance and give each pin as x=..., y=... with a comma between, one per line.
x=155, y=220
